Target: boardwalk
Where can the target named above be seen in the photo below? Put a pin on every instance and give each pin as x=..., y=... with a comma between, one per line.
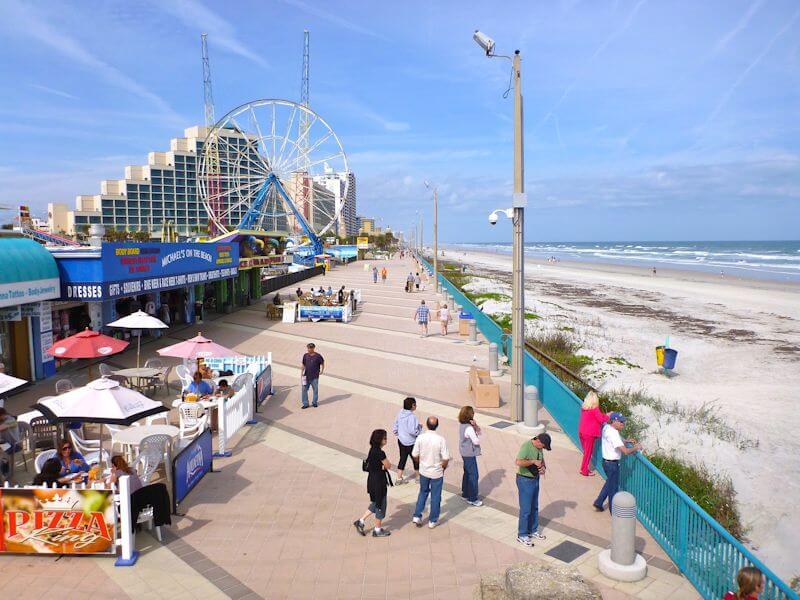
x=275, y=520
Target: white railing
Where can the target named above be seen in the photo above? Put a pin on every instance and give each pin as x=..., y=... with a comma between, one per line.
x=234, y=413
x=239, y=364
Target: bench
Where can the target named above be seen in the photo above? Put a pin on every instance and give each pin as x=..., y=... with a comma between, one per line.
x=485, y=391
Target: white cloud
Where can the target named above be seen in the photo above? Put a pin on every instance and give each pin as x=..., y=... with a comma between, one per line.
x=330, y=17
x=53, y=91
x=26, y=22
x=726, y=39
x=221, y=32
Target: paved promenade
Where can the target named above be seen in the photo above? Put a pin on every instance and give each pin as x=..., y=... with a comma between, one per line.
x=275, y=519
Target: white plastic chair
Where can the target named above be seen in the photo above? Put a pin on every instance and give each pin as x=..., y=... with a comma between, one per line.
x=192, y=420
x=152, y=451
x=183, y=373
x=105, y=370
x=42, y=458
x=90, y=449
x=159, y=418
x=64, y=385
x=153, y=363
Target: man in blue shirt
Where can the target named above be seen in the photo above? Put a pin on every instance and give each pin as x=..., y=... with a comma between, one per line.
x=198, y=386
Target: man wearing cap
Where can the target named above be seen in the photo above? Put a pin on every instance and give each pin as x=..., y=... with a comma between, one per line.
x=613, y=447
x=530, y=466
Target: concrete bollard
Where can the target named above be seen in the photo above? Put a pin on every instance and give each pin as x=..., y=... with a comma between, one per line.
x=472, y=338
x=494, y=361
x=621, y=562
x=530, y=425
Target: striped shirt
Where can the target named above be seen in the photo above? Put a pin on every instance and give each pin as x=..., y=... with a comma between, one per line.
x=423, y=312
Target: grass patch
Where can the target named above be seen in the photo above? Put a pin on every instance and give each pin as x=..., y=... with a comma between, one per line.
x=618, y=360
x=715, y=494
x=504, y=319
x=560, y=346
x=485, y=296
x=568, y=329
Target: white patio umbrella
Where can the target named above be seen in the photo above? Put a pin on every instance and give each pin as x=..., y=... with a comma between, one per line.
x=102, y=401
x=8, y=383
x=139, y=320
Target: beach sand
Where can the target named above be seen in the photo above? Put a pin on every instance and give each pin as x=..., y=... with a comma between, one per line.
x=739, y=350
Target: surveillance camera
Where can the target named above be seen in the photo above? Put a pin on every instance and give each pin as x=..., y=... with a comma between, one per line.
x=484, y=41
x=493, y=219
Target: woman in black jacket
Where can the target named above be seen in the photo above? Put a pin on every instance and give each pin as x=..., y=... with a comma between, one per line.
x=378, y=480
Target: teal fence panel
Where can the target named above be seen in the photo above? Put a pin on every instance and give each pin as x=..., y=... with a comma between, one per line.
x=703, y=550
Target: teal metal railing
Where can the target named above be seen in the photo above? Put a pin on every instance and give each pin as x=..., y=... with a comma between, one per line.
x=702, y=549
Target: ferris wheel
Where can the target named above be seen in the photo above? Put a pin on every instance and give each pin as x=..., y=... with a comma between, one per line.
x=273, y=165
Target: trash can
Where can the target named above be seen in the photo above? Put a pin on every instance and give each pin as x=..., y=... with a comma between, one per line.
x=660, y=355
x=670, y=356
x=463, y=323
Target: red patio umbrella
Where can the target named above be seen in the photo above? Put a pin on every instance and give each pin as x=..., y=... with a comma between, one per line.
x=87, y=344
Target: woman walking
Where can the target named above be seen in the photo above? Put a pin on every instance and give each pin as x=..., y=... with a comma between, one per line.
x=378, y=480
x=469, y=443
x=384, y=273
x=589, y=427
x=407, y=427
x=444, y=318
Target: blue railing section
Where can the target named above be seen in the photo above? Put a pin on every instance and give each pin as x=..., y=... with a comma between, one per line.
x=703, y=550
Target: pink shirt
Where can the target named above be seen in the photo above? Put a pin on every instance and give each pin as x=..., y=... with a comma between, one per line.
x=591, y=422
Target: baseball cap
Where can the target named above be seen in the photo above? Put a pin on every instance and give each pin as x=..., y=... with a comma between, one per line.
x=545, y=439
x=615, y=416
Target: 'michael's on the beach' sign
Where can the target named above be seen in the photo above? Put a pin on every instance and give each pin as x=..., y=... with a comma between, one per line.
x=57, y=521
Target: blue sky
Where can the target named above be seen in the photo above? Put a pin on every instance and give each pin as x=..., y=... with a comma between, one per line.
x=644, y=120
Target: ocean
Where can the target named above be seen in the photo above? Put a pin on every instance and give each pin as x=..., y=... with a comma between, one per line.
x=775, y=260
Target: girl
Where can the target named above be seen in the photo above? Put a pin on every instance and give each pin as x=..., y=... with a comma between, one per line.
x=750, y=582
x=444, y=319
x=378, y=480
x=119, y=467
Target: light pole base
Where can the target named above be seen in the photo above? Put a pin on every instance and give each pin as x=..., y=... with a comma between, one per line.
x=635, y=572
x=530, y=431
x=473, y=342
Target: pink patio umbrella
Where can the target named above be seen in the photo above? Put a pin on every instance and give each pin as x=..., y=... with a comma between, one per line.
x=197, y=347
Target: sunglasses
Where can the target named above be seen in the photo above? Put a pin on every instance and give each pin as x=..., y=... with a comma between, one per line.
x=66, y=448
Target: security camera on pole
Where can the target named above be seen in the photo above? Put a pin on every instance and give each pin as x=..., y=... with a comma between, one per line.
x=517, y=214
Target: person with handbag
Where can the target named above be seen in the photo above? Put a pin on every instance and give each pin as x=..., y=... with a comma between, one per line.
x=378, y=482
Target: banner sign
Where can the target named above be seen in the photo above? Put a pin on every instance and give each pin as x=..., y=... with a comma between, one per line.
x=131, y=269
x=57, y=521
x=11, y=313
x=263, y=385
x=260, y=261
x=190, y=466
x=362, y=243
x=320, y=312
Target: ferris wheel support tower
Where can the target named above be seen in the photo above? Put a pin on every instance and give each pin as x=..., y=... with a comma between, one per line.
x=214, y=180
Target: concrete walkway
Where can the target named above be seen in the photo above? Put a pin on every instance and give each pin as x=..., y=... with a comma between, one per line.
x=275, y=520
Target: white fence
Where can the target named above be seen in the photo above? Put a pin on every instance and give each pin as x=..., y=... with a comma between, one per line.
x=234, y=413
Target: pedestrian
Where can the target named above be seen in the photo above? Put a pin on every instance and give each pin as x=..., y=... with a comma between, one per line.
x=374, y=274
x=384, y=273
x=431, y=449
x=613, y=447
x=421, y=317
x=530, y=468
x=410, y=282
x=750, y=582
x=313, y=365
x=340, y=296
x=329, y=291
x=378, y=482
x=591, y=422
x=417, y=281
x=299, y=293
x=444, y=318
x=407, y=427
x=469, y=444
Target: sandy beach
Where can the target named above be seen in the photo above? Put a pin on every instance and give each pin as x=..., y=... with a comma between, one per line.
x=739, y=346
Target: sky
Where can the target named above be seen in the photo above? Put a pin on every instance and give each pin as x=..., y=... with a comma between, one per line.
x=644, y=119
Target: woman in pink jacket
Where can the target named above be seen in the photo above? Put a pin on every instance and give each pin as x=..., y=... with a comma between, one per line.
x=591, y=423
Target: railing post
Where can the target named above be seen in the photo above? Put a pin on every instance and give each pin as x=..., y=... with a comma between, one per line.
x=222, y=433
x=683, y=535
x=129, y=554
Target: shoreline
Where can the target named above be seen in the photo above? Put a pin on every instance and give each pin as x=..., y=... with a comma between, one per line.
x=452, y=252
x=730, y=400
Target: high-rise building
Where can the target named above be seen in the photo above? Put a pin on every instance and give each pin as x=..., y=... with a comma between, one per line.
x=342, y=186
x=367, y=225
x=164, y=189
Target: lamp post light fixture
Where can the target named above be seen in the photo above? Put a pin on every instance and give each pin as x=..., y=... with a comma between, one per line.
x=517, y=215
x=435, y=189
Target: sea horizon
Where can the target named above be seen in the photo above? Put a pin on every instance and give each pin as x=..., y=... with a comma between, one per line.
x=776, y=260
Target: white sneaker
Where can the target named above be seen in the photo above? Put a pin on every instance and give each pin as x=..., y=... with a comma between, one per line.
x=538, y=536
x=417, y=521
x=431, y=524
x=476, y=503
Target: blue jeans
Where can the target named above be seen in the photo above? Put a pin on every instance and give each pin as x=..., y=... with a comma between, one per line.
x=469, y=482
x=434, y=488
x=528, y=488
x=611, y=486
x=314, y=384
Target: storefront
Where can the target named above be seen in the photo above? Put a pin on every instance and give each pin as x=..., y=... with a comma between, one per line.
x=165, y=280
x=28, y=281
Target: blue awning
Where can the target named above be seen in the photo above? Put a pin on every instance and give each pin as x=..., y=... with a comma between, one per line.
x=28, y=272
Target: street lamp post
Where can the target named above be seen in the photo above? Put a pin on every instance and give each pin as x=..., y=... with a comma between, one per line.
x=517, y=214
x=435, y=234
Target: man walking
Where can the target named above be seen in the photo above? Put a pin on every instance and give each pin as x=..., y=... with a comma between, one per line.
x=431, y=450
x=421, y=316
x=613, y=447
x=374, y=274
x=313, y=365
x=530, y=467
x=409, y=282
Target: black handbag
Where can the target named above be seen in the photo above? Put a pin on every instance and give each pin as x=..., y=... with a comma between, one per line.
x=365, y=465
